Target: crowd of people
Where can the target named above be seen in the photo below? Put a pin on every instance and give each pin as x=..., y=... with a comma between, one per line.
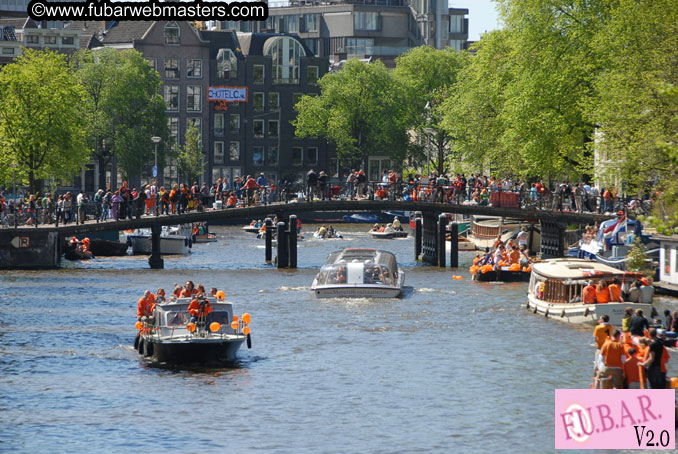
x=634, y=356
x=506, y=253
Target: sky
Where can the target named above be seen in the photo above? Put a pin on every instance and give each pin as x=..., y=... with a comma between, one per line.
x=482, y=16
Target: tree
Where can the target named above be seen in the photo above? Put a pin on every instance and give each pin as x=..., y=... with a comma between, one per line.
x=123, y=108
x=41, y=127
x=190, y=159
x=429, y=76
x=361, y=109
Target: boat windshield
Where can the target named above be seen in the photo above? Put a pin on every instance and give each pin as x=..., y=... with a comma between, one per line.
x=332, y=274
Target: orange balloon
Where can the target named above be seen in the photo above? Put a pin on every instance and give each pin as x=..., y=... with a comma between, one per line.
x=674, y=382
x=221, y=295
x=246, y=330
x=190, y=327
x=246, y=318
x=234, y=325
x=138, y=325
x=215, y=326
x=235, y=318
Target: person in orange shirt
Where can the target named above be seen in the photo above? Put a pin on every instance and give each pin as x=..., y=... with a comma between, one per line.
x=145, y=307
x=601, y=333
x=232, y=201
x=174, y=198
x=613, y=358
x=615, y=291
x=588, y=293
x=602, y=293
x=631, y=372
x=514, y=255
x=199, y=309
x=189, y=290
x=177, y=291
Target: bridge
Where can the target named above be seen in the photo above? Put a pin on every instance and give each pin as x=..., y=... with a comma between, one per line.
x=40, y=247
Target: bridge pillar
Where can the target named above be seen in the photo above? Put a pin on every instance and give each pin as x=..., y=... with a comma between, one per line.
x=454, y=245
x=29, y=249
x=440, y=239
x=292, y=241
x=269, y=239
x=417, y=237
x=552, y=239
x=155, y=260
x=283, y=258
x=429, y=247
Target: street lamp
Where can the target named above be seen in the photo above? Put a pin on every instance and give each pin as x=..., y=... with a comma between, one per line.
x=156, y=140
x=429, y=132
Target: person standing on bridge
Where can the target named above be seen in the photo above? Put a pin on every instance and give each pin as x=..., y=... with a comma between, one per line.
x=311, y=184
x=250, y=186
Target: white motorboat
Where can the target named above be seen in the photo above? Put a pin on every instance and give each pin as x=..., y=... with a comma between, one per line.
x=172, y=337
x=359, y=273
x=560, y=296
x=388, y=234
x=173, y=240
x=251, y=228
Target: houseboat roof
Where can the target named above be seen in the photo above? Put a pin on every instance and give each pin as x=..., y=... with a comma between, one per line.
x=574, y=269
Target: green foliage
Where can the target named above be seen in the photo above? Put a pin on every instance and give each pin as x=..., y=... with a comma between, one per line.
x=190, y=159
x=362, y=109
x=637, y=259
x=41, y=127
x=123, y=108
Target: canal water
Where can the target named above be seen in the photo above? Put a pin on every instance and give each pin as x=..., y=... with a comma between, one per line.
x=453, y=366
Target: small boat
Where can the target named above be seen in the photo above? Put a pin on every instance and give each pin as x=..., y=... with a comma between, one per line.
x=501, y=274
x=361, y=218
x=359, y=273
x=173, y=339
x=560, y=295
x=336, y=235
x=252, y=228
x=173, y=240
x=388, y=235
x=205, y=238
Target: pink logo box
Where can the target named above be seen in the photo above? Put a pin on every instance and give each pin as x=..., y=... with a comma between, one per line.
x=615, y=418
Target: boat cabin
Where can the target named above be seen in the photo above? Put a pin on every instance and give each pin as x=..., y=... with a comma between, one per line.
x=174, y=315
x=359, y=266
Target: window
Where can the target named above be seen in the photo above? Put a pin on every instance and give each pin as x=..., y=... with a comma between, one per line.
x=194, y=95
x=312, y=44
x=219, y=124
x=312, y=156
x=291, y=23
x=235, y=123
x=285, y=53
x=67, y=40
x=219, y=152
x=272, y=156
x=258, y=74
x=234, y=151
x=457, y=44
x=258, y=128
x=258, y=100
x=171, y=68
x=8, y=51
x=171, y=33
x=258, y=156
x=50, y=39
x=194, y=68
x=296, y=97
x=311, y=22
x=173, y=124
x=366, y=21
x=359, y=46
x=227, y=64
x=456, y=24
x=273, y=129
x=33, y=39
x=297, y=156
x=273, y=100
x=151, y=62
x=312, y=75
x=172, y=97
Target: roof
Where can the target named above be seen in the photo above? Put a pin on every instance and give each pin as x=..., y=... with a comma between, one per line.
x=254, y=43
x=16, y=22
x=665, y=238
x=126, y=32
x=573, y=269
x=363, y=254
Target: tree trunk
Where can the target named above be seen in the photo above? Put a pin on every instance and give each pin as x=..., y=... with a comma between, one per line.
x=102, y=172
x=441, y=152
x=34, y=186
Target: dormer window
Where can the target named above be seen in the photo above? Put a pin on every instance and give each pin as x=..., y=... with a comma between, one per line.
x=227, y=64
x=171, y=33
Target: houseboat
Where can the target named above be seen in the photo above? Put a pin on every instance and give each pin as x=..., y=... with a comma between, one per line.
x=359, y=273
x=556, y=285
x=172, y=337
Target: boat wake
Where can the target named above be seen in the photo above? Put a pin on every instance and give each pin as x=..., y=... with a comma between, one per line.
x=286, y=288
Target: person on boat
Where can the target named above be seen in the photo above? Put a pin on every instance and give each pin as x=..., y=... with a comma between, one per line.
x=176, y=293
x=145, y=307
x=613, y=358
x=616, y=291
x=200, y=308
x=588, y=293
x=389, y=228
x=634, y=293
x=602, y=293
x=382, y=229
x=668, y=320
x=396, y=224
x=626, y=320
x=322, y=231
x=160, y=296
x=638, y=324
x=514, y=255
x=674, y=322
x=498, y=241
x=522, y=236
x=330, y=232
x=655, y=363
x=601, y=333
x=375, y=228
x=631, y=373
x=213, y=292
x=189, y=290
x=524, y=256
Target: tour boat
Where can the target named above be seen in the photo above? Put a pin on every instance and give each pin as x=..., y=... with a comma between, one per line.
x=173, y=339
x=173, y=240
x=387, y=235
x=359, y=273
x=514, y=273
x=563, y=280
